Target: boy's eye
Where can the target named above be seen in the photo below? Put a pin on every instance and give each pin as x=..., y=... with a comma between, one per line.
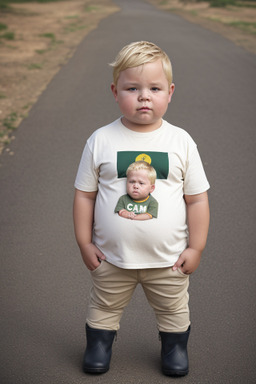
x=155, y=89
x=132, y=89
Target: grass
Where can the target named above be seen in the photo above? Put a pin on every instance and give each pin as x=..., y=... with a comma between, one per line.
x=5, y=5
x=41, y=51
x=10, y=120
x=27, y=106
x=48, y=35
x=247, y=26
x=244, y=26
x=9, y=124
x=226, y=3
x=3, y=27
x=8, y=35
x=221, y=3
x=7, y=2
x=74, y=27
x=245, y=4
x=35, y=66
x=90, y=8
x=72, y=17
x=54, y=43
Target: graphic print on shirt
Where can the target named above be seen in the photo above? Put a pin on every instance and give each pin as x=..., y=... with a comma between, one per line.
x=159, y=160
x=149, y=205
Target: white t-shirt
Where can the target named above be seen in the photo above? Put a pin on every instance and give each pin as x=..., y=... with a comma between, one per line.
x=155, y=243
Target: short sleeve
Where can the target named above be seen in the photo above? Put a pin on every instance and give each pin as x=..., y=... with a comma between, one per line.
x=120, y=204
x=153, y=208
x=195, y=180
x=87, y=174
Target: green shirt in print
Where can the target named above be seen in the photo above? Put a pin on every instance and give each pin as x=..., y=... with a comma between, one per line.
x=149, y=205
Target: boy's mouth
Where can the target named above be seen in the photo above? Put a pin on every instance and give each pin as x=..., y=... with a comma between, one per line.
x=144, y=109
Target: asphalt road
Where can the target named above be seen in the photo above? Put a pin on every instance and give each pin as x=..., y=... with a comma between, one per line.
x=44, y=285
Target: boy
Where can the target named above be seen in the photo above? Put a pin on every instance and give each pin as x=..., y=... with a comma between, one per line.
x=138, y=204
x=164, y=251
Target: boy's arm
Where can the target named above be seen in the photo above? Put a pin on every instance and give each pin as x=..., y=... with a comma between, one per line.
x=143, y=216
x=126, y=214
x=131, y=215
x=83, y=222
x=198, y=217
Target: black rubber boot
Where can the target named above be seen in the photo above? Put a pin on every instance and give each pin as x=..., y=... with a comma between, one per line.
x=98, y=350
x=174, y=353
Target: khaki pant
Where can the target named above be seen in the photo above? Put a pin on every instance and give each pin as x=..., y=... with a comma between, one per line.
x=165, y=289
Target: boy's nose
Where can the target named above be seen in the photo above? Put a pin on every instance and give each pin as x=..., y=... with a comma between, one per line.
x=144, y=95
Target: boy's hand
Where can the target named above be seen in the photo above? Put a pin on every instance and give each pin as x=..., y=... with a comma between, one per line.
x=92, y=256
x=198, y=224
x=126, y=214
x=188, y=261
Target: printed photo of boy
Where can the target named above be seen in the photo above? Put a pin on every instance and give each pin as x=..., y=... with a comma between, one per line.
x=138, y=203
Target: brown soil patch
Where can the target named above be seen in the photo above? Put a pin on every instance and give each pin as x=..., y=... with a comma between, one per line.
x=46, y=36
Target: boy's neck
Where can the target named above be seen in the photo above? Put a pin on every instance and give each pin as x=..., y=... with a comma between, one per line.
x=141, y=127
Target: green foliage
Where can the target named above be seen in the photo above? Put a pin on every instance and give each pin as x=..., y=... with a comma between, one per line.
x=6, y=2
x=221, y=3
x=246, y=4
x=3, y=5
x=48, y=36
x=10, y=120
x=90, y=8
x=72, y=17
x=74, y=27
x=225, y=3
x=3, y=27
x=41, y=51
x=8, y=35
x=35, y=66
x=244, y=25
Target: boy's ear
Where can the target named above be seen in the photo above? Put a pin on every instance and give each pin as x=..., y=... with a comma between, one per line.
x=114, y=90
x=152, y=188
x=171, y=91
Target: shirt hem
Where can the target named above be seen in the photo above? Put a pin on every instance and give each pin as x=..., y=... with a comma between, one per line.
x=141, y=266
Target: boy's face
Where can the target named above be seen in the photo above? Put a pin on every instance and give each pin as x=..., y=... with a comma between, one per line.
x=138, y=185
x=143, y=95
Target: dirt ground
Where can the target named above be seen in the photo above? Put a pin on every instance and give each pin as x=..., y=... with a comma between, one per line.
x=47, y=34
x=45, y=37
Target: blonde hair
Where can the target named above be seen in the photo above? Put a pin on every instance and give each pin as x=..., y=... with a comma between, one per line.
x=139, y=53
x=143, y=165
